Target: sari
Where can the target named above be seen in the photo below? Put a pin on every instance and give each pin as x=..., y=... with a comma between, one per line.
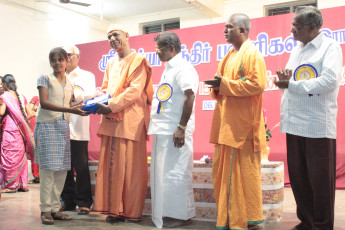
x=34, y=166
x=16, y=147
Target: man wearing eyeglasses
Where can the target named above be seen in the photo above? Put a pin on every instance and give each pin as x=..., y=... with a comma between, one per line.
x=78, y=192
x=310, y=84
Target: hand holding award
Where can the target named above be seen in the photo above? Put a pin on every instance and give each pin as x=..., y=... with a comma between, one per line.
x=90, y=105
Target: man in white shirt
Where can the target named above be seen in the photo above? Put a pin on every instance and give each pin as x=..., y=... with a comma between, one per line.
x=308, y=117
x=78, y=193
x=172, y=125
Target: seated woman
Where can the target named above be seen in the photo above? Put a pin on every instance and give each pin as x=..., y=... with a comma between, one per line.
x=16, y=141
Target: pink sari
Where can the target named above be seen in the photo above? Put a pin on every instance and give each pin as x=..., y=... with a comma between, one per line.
x=16, y=147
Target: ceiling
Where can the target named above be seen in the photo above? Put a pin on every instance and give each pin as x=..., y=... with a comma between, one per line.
x=111, y=9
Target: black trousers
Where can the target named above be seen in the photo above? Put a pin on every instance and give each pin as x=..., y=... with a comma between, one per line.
x=78, y=192
x=312, y=171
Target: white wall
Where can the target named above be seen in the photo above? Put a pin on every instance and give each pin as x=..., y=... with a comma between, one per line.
x=256, y=8
x=193, y=17
x=328, y=3
x=188, y=18
x=27, y=36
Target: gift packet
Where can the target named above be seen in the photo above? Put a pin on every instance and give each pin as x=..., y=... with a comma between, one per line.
x=90, y=105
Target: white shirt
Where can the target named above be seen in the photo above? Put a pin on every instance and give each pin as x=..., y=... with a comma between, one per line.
x=181, y=75
x=84, y=88
x=309, y=107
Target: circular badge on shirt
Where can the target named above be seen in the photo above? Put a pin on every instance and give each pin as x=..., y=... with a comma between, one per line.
x=78, y=88
x=164, y=92
x=305, y=72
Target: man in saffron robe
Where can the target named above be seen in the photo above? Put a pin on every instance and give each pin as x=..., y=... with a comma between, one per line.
x=122, y=174
x=238, y=129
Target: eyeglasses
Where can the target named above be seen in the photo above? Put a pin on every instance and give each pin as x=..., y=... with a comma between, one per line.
x=298, y=27
x=71, y=55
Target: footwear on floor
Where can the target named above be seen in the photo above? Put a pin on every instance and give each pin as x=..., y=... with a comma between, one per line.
x=253, y=226
x=47, y=218
x=132, y=220
x=113, y=220
x=23, y=190
x=60, y=216
x=9, y=190
x=174, y=223
x=83, y=211
x=35, y=181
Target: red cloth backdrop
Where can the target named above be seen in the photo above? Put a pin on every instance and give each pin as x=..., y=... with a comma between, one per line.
x=204, y=46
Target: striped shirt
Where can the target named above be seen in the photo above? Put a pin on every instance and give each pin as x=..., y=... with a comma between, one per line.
x=309, y=107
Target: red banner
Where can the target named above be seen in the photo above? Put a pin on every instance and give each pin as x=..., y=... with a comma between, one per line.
x=204, y=47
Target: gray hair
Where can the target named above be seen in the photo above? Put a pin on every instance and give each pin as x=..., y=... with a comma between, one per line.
x=168, y=39
x=242, y=21
x=310, y=15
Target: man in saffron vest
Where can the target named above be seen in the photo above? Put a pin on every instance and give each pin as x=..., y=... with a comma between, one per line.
x=122, y=174
x=238, y=129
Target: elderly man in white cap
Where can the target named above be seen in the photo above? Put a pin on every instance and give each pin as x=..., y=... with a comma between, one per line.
x=122, y=174
x=78, y=192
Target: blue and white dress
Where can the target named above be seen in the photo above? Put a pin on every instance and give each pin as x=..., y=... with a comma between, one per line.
x=52, y=139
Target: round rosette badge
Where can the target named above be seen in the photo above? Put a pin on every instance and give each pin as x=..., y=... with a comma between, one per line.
x=164, y=93
x=305, y=72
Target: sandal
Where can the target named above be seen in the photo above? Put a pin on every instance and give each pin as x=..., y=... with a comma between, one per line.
x=113, y=220
x=60, y=216
x=132, y=220
x=46, y=218
x=253, y=226
x=35, y=181
x=174, y=223
x=9, y=190
x=83, y=211
x=23, y=190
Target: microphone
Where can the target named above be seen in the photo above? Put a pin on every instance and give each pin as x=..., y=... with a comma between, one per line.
x=207, y=160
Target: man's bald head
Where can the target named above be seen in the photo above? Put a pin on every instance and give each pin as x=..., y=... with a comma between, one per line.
x=241, y=21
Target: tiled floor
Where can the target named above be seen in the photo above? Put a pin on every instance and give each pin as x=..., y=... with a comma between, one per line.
x=21, y=211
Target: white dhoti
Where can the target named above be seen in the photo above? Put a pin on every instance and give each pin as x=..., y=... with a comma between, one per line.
x=171, y=179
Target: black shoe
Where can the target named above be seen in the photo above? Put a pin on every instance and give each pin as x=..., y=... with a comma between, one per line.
x=23, y=189
x=113, y=220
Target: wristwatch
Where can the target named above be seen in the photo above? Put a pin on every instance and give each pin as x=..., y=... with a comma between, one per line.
x=182, y=127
